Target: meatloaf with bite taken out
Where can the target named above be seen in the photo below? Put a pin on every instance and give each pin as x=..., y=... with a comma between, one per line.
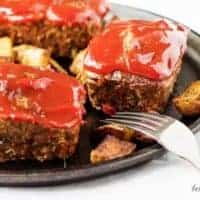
x=132, y=65
x=63, y=27
x=40, y=113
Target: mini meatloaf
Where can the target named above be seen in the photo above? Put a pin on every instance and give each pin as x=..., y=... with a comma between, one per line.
x=62, y=27
x=40, y=113
x=132, y=65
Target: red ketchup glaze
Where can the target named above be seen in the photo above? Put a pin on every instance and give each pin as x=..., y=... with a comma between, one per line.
x=144, y=48
x=16, y=11
x=55, y=11
x=47, y=98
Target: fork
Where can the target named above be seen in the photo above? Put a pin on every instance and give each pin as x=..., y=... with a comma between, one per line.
x=170, y=133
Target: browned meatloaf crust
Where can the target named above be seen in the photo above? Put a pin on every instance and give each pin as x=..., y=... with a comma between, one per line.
x=41, y=113
x=21, y=141
x=59, y=40
x=126, y=92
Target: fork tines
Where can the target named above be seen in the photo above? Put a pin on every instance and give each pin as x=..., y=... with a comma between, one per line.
x=147, y=123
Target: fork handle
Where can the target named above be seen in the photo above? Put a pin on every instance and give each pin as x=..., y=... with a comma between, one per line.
x=195, y=163
x=182, y=143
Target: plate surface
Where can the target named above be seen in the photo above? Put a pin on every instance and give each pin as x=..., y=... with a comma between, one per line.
x=28, y=173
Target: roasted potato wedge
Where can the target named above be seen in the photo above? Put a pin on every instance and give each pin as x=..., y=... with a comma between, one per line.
x=6, y=50
x=77, y=65
x=121, y=132
x=124, y=133
x=33, y=56
x=188, y=103
x=111, y=148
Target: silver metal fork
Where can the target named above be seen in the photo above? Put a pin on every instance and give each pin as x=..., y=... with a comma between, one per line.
x=170, y=133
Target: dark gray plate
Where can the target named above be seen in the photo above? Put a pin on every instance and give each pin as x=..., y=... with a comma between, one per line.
x=30, y=173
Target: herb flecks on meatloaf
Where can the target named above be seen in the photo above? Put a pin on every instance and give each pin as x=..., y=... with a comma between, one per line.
x=40, y=113
x=62, y=27
x=133, y=65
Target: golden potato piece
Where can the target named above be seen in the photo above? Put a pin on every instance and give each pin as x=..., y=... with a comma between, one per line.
x=188, y=103
x=77, y=65
x=33, y=56
x=111, y=148
x=119, y=131
x=6, y=51
x=124, y=133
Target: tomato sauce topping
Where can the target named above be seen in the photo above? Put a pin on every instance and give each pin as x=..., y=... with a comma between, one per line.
x=47, y=98
x=146, y=48
x=55, y=11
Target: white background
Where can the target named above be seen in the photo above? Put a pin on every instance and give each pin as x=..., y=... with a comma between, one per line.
x=185, y=11
x=167, y=178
